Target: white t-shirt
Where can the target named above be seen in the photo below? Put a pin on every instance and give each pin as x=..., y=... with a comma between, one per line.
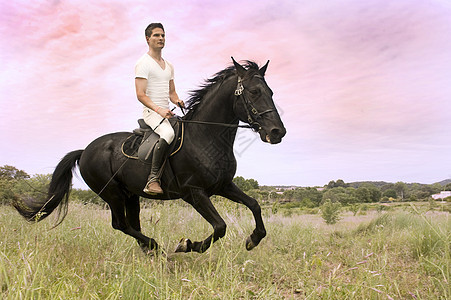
x=157, y=79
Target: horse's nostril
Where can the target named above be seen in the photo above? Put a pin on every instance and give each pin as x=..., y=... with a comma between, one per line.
x=275, y=132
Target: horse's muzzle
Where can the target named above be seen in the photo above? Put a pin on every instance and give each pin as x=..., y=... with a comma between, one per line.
x=274, y=136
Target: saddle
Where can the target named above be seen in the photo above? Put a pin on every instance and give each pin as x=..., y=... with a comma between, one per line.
x=141, y=143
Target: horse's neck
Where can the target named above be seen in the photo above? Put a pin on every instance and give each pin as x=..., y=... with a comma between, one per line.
x=218, y=105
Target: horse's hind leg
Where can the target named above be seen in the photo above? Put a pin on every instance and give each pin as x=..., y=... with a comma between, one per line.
x=233, y=193
x=201, y=202
x=127, y=223
x=132, y=210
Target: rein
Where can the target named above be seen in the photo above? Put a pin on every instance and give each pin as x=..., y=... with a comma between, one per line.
x=214, y=124
x=210, y=123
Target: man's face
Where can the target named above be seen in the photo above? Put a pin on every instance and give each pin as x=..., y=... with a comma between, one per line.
x=157, y=39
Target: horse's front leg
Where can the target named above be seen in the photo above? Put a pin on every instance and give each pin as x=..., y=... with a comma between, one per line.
x=201, y=202
x=232, y=192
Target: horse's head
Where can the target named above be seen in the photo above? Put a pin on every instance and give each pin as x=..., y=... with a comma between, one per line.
x=254, y=104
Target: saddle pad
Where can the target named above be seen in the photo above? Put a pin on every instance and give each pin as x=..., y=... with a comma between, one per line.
x=131, y=144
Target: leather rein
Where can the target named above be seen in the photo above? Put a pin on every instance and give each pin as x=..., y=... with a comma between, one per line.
x=252, y=113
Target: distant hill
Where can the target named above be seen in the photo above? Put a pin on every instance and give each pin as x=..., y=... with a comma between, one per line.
x=380, y=184
x=356, y=184
x=444, y=182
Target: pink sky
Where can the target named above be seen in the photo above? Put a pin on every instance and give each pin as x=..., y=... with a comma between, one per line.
x=363, y=87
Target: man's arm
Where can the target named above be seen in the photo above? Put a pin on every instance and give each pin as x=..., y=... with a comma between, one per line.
x=141, y=85
x=173, y=95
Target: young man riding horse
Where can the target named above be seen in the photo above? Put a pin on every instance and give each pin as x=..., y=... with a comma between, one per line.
x=154, y=83
x=203, y=167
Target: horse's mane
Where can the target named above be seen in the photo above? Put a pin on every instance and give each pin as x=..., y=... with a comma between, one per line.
x=196, y=96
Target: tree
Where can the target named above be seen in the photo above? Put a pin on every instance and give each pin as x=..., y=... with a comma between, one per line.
x=310, y=193
x=253, y=183
x=241, y=183
x=254, y=194
x=400, y=188
x=306, y=202
x=339, y=183
x=375, y=193
x=331, y=212
x=340, y=194
x=354, y=208
x=390, y=193
x=12, y=173
x=35, y=187
x=331, y=184
x=245, y=184
x=436, y=188
x=388, y=186
x=289, y=195
x=421, y=192
x=258, y=194
x=363, y=194
x=9, y=178
x=7, y=194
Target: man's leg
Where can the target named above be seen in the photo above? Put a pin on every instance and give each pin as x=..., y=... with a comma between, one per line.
x=160, y=153
x=158, y=158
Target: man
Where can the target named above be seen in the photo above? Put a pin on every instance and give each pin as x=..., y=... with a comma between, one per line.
x=154, y=83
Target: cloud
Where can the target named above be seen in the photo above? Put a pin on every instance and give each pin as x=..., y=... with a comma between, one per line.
x=354, y=80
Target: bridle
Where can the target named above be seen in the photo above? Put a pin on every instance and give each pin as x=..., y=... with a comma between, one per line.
x=253, y=115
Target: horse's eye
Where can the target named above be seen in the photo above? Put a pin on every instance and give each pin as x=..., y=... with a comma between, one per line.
x=254, y=92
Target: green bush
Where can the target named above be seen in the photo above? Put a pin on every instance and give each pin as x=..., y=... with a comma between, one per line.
x=7, y=194
x=363, y=209
x=331, y=212
x=354, y=208
x=306, y=202
x=9, y=178
x=86, y=196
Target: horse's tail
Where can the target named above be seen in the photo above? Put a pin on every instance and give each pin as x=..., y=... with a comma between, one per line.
x=58, y=194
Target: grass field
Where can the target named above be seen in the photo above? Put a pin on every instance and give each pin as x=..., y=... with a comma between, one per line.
x=401, y=254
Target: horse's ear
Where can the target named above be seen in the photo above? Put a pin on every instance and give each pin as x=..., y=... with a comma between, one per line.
x=240, y=70
x=262, y=70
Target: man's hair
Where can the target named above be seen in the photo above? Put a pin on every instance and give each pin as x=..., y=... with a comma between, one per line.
x=151, y=27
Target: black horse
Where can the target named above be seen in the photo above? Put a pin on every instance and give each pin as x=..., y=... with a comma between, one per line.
x=203, y=167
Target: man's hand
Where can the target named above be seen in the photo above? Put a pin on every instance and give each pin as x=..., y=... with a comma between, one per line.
x=164, y=112
x=180, y=103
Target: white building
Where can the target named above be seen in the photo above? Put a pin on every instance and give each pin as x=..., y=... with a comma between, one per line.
x=442, y=195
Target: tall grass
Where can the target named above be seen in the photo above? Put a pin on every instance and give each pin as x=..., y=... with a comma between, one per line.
x=376, y=256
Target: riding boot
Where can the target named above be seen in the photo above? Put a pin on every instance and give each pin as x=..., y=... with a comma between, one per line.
x=159, y=156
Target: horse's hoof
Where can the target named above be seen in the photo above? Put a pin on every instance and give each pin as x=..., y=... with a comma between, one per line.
x=150, y=248
x=250, y=244
x=184, y=246
x=149, y=252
